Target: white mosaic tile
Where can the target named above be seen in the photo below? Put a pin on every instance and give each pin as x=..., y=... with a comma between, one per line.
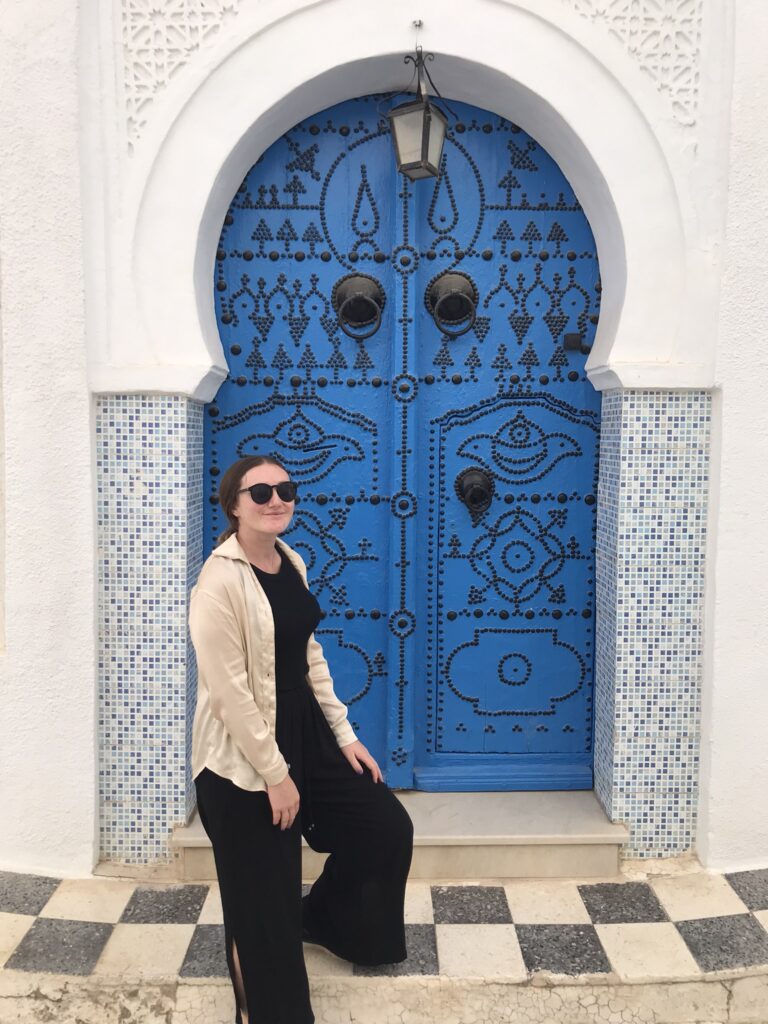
x=652, y=507
x=195, y=412
x=149, y=522
x=651, y=534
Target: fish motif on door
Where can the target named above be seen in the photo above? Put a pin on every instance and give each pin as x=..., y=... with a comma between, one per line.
x=461, y=637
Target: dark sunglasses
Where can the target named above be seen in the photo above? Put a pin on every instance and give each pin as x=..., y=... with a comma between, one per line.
x=261, y=493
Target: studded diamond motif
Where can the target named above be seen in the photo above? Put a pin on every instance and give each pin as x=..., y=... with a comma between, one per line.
x=456, y=631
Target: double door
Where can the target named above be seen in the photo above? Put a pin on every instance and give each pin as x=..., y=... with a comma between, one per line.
x=413, y=353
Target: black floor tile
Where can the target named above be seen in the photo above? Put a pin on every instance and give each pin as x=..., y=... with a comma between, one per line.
x=622, y=903
x=470, y=904
x=25, y=894
x=562, y=948
x=60, y=947
x=205, y=956
x=751, y=887
x=421, y=945
x=180, y=905
x=720, y=943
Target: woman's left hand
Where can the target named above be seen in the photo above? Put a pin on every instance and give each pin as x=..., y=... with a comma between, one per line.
x=357, y=755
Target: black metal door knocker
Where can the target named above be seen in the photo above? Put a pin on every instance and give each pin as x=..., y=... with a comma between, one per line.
x=358, y=301
x=475, y=488
x=452, y=302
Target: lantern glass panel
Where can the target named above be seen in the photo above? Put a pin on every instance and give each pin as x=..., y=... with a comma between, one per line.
x=408, y=128
x=437, y=125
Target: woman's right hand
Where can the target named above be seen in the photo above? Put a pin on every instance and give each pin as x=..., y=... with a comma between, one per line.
x=284, y=799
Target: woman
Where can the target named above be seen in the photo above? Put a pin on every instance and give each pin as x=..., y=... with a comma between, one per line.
x=274, y=757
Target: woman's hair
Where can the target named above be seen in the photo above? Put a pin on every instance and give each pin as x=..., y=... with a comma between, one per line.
x=230, y=485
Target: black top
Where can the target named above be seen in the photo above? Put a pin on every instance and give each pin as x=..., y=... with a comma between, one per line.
x=296, y=614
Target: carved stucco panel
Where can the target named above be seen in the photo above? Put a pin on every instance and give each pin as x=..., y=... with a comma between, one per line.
x=160, y=37
x=663, y=37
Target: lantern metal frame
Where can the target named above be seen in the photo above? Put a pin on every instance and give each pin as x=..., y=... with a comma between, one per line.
x=421, y=168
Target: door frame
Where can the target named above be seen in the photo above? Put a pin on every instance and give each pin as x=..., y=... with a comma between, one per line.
x=653, y=320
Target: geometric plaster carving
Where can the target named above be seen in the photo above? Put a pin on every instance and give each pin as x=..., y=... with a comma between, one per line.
x=654, y=313
x=159, y=38
x=663, y=37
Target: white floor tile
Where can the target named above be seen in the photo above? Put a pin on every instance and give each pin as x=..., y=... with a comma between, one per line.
x=13, y=928
x=89, y=899
x=418, y=903
x=212, y=912
x=144, y=951
x=697, y=895
x=546, y=902
x=647, y=951
x=320, y=963
x=480, y=951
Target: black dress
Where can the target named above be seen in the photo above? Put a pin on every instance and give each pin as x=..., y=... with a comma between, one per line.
x=355, y=908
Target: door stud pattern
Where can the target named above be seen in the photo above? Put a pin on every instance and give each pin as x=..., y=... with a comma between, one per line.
x=461, y=638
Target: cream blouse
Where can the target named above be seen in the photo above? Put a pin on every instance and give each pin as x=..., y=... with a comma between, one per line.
x=233, y=633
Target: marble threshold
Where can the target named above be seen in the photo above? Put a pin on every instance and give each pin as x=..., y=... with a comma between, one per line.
x=554, y=834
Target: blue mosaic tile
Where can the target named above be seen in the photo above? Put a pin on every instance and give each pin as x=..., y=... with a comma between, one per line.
x=194, y=565
x=652, y=508
x=149, y=527
x=649, y=591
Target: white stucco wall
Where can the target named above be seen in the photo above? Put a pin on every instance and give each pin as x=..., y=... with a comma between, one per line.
x=733, y=830
x=643, y=178
x=61, y=90
x=47, y=672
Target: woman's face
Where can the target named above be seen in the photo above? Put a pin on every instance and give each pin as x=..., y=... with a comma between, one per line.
x=271, y=518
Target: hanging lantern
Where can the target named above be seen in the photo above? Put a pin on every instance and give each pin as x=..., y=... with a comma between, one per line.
x=418, y=129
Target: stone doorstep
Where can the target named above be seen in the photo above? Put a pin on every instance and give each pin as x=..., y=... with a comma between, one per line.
x=550, y=834
x=732, y=997
x=447, y=863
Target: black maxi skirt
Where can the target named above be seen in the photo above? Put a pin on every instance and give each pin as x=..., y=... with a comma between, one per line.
x=354, y=909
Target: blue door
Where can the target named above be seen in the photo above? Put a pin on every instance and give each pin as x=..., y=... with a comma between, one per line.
x=441, y=428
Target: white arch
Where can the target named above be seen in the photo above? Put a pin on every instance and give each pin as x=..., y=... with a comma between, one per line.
x=505, y=58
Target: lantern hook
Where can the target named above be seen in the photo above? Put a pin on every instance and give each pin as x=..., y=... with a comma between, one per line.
x=421, y=70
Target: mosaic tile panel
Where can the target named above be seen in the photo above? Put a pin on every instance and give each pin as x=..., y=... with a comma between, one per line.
x=654, y=477
x=149, y=522
x=194, y=565
x=605, y=595
x=650, y=549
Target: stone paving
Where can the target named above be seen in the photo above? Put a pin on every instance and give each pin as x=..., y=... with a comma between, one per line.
x=676, y=931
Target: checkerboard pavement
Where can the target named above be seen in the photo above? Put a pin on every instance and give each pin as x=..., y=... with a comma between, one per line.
x=675, y=927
